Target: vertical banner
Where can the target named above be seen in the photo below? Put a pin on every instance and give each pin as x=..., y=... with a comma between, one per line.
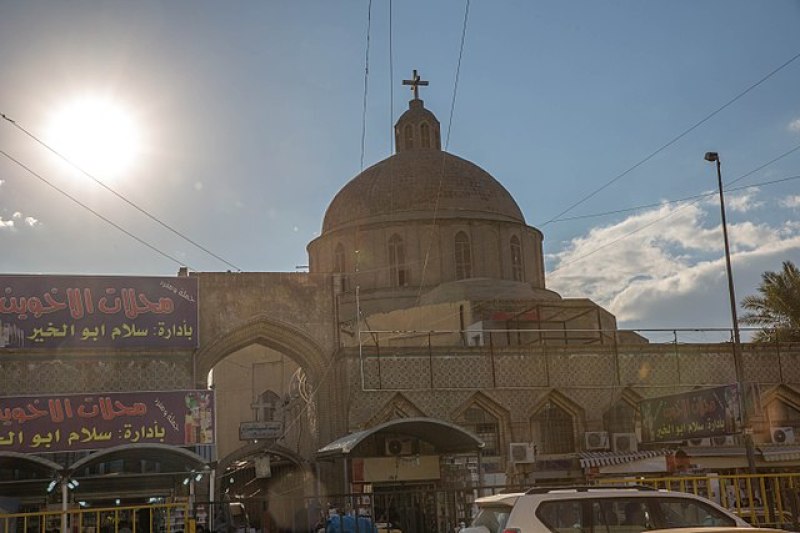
x=98, y=312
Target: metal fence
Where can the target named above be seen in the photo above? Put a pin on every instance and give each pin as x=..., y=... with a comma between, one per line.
x=154, y=518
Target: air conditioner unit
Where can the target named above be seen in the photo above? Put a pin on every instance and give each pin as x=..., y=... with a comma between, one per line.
x=522, y=452
x=596, y=440
x=399, y=446
x=624, y=442
x=698, y=442
x=723, y=440
x=782, y=435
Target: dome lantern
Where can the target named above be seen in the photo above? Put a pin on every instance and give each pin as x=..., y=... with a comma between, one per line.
x=417, y=128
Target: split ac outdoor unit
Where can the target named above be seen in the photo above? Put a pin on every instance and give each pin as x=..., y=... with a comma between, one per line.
x=698, y=442
x=723, y=440
x=782, y=435
x=624, y=442
x=596, y=440
x=521, y=452
x=399, y=446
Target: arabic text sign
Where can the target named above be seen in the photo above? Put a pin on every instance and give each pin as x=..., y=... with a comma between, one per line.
x=699, y=413
x=91, y=421
x=260, y=430
x=97, y=312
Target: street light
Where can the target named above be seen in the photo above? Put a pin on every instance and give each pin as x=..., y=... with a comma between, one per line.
x=713, y=157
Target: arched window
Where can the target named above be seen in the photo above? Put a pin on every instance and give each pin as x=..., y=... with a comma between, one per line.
x=425, y=134
x=485, y=425
x=268, y=406
x=516, y=259
x=398, y=274
x=621, y=418
x=338, y=258
x=409, y=136
x=463, y=256
x=553, y=429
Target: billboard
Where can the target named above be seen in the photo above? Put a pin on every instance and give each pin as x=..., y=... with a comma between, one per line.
x=57, y=423
x=694, y=414
x=98, y=312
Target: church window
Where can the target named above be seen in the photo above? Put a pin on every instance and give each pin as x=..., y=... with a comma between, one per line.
x=339, y=266
x=485, y=425
x=267, y=407
x=553, y=430
x=516, y=259
x=338, y=258
x=425, y=134
x=621, y=418
x=463, y=256
x=409, y=136
x=397, y=259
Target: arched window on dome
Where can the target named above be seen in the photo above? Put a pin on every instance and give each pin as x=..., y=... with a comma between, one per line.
x=516, y=259
x=398, y=274
x=339, y=265
x=408, y=133
x=553, y=429
x=425, y=135
x=463, y=256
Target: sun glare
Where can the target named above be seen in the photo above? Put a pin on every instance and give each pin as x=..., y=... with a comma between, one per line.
x=97, y=135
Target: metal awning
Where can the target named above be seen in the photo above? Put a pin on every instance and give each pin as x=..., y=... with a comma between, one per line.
x=774, y=454
x=445, y=437
x=598, y=459
x=712, y=451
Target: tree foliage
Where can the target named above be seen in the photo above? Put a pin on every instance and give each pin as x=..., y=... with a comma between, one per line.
x=776, y=307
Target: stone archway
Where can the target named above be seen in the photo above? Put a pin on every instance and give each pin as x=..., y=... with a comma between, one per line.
x=271, y=333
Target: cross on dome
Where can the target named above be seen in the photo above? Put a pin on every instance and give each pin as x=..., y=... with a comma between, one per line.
x=415, y=82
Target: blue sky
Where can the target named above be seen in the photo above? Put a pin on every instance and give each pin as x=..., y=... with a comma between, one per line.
x=250, y=119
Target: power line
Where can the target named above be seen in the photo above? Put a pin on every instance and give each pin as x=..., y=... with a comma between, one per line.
x=119, y=195
x=679, y=200
x=95, y=213
x=687, y=204
x=673, y=141
x=366, y=81
x=458, y=72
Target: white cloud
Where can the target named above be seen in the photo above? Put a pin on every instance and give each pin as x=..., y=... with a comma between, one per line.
x=794, y=125
x=792, y=202
x=668, y=263
x=31, y=221
x=6, y=223
x=743, y=202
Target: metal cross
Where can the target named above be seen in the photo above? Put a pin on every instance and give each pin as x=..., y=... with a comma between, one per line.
x=415, y=83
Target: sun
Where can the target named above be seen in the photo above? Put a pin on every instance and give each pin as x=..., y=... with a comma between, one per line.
x=96, y=134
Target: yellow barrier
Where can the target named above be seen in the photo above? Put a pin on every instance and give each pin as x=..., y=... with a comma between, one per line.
x=155, y=518
x=771, y=500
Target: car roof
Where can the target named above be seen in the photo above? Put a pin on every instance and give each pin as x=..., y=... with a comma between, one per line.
x=507, y=498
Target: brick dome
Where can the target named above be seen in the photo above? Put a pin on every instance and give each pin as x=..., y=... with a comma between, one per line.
x=405, y=187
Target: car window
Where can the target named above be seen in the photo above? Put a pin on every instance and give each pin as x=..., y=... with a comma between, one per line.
x=691, y=513
x=493, y=518
x=562, y=516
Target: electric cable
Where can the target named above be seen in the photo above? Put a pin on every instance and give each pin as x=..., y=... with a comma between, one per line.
x=92, y=211
x=366, y=86
x=652, y=222
x=118, y=195
x=673, y=141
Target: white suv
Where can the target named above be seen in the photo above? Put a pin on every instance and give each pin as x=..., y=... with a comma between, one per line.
x=596, y=509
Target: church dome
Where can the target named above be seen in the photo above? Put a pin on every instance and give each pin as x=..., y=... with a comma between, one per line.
x=420, y=182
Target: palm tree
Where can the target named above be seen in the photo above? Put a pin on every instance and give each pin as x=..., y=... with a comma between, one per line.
x=777, y=306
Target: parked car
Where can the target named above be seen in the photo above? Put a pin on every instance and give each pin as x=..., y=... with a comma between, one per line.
x=597, y=509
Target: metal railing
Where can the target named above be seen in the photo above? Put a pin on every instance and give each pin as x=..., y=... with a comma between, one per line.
x=771, y=500
x=154, y=518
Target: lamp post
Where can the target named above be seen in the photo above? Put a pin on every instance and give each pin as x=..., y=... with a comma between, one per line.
x=737, y=354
